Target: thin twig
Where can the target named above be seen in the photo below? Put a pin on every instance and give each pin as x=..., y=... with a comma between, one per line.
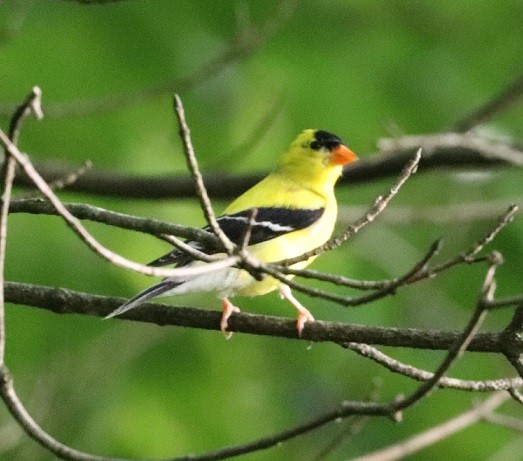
x=385, y=290
x=462, y=343
x=366, y=284
x=248, y=231
x=343, y=300
x=62, y=182
x=190, y=250
x=469, y=255
x=201, y=191
x=516, y=395
x=423, y=375
x=32, y=104
x=505, y=302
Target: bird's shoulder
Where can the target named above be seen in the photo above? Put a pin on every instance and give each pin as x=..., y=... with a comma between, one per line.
x=278, y=191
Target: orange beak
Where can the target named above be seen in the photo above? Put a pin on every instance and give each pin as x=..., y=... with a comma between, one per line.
x=342, y=155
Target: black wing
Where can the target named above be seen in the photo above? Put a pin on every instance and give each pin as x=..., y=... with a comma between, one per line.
x=268, y=224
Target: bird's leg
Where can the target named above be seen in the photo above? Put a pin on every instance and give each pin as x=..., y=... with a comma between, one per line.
x=303, y=314
x=228, y=309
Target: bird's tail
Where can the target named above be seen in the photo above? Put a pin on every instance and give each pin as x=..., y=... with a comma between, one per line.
x=148, y=293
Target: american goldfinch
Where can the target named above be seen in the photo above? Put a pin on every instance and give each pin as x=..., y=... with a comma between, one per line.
x=295, y=212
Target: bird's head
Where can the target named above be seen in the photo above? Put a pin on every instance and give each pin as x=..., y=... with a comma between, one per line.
x=318, y=154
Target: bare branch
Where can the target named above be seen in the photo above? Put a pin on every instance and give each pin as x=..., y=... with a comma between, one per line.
x=504, y=302
x=201, y=191
x=63, y=182
x=419, y=272
x=248, y=231
x=516, y=395
x=112, y=218
x=64, y=301
x=460, y=344
x=387, y=285
x=156, y=227
x=422, y=375
x=371, y=408
x=31, y=105
x=469, y=256
x=456, y=350
x=459, y=149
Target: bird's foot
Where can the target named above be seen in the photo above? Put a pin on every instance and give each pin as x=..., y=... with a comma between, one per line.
x=228, y=309
x=303, y=313
x=303, y=317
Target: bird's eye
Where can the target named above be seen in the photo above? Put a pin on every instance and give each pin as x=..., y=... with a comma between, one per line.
x=315, y=145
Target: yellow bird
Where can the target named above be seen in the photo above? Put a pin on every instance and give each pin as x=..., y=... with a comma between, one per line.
x=295, y=212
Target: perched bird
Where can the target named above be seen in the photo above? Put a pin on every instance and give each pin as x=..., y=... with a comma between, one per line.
x=295, y=211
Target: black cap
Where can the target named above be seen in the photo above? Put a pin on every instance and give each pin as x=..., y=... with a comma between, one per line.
x=325, y=139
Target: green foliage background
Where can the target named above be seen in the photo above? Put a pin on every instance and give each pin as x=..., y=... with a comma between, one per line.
x=353, y=67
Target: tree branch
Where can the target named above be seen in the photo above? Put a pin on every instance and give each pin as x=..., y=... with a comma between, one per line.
x=31, y=105
x=418, y=374
x=64, y=301
x=84, y=211
x=201, y=191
